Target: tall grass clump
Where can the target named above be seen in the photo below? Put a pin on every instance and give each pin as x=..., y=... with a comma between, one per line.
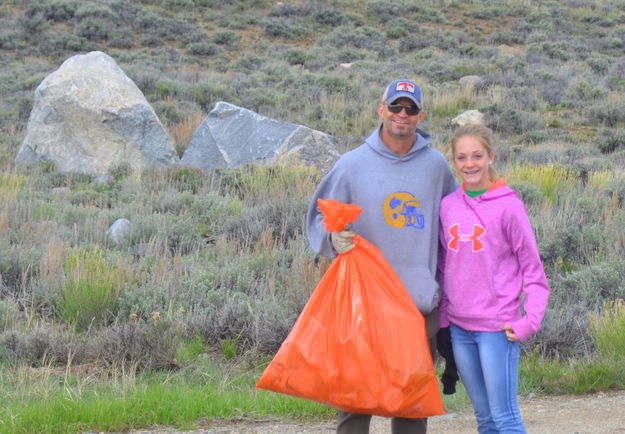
x=608, y=332
x=553, y=180
x=11, y=184
x=93, y=286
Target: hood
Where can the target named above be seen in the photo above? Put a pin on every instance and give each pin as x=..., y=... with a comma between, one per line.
x=422, y=140
x=498, y=189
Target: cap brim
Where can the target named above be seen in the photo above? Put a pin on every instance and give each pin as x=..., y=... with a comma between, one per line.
x=405, y=95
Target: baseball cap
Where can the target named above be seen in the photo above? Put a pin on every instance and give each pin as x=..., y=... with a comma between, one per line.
x=403, y=89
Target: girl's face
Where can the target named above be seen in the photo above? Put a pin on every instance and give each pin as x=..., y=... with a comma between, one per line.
x=471, y=160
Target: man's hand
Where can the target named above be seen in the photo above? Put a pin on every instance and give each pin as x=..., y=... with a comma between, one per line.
x=343, y=241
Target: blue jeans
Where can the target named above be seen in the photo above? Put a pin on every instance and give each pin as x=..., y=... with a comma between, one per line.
x=488, y=365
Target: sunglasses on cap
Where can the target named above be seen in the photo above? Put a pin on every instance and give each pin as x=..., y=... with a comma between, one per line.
x=411, y=110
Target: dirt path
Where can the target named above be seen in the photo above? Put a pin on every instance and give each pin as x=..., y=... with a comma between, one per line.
x=588, y=414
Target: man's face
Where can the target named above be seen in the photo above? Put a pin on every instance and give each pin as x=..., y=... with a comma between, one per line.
x=399, y=125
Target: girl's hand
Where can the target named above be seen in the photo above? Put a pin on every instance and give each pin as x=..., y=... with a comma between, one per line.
x=510, y=333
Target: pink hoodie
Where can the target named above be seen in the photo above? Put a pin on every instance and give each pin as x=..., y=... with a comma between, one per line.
x=489, y=257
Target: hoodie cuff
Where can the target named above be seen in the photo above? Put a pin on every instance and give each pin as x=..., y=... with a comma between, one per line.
x=443, y=321
x=521, y=330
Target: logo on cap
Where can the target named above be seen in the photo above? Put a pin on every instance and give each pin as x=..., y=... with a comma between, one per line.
x=404, y=86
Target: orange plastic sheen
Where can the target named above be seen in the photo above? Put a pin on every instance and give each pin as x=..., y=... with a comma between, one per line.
x=359, y=344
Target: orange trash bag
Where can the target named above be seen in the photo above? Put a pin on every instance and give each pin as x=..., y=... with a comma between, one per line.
x=359, y=344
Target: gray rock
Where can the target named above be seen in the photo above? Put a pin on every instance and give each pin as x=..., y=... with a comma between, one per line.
x=120, y=230
x=470, y=80
x=88, y=116
x=232, y=136
x=469, y=117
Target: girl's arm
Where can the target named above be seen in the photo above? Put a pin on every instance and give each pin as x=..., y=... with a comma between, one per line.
x=535, y=286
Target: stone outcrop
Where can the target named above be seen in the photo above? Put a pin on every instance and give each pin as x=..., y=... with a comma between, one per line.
x=232, y=136
x=89, y=116
x=469, y=117
x=120, y=230
x=470, y=80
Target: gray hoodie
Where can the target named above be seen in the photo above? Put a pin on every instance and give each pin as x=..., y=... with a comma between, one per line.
x=400, y=198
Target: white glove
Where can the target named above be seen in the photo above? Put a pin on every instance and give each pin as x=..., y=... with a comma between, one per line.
x=343, y=241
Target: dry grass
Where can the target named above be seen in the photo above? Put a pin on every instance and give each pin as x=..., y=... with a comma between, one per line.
x=183, y=131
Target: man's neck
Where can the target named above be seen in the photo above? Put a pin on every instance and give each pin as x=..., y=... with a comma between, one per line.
x=399, y=145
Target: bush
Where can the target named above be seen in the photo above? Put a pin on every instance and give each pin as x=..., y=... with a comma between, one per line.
x=610, y=139
x=610, y=114
x=60, y=10
x=507, y=120
x=203, y=49
x=530, y=194
x=330, y=17
x=94, y=29
x=284, y=28
x=97, y=11
x=145, y=346
x=592, y=284
x=229, y=39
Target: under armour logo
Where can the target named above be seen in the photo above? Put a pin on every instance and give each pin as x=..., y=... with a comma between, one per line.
x=474, y=238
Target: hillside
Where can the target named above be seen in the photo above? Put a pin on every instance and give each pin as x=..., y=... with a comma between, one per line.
x=218, y=263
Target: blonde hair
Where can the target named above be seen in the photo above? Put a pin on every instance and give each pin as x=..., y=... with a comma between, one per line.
x=483, y=135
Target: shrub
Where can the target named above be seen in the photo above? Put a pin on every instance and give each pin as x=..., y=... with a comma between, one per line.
x=121, y=38
x=297, y=57
x=178, y=4
x=610, y=113
x=229, y=39
x=152, y=345
x=43, y=345
x=330, y=17
x=203, y=49
x=507, y=120
x=361, y=37
x=399, y=28
x=558, y=50
x=592, y=284
x=94, y=29
x=93, y=10
x=581, y=93
x=529, y=193
x=610, y=139
x=60, y=10
x=284, y=28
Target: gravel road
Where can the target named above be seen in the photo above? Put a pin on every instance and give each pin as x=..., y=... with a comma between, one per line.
x=588, y=414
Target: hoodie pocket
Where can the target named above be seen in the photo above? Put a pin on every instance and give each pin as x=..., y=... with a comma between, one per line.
x=422, y=287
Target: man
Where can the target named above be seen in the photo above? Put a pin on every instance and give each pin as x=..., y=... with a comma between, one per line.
x=398, y=180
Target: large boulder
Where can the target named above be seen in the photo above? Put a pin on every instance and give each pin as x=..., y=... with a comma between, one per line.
x=88, y=116
x=232, y=136
x=469, y=117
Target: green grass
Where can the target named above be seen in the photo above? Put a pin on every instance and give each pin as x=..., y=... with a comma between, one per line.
x=61, y=403
x=552, y=179
x=92, y=289
x=605, y=370
x=57, y=400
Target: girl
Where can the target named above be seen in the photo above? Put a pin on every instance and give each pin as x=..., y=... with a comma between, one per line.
x=489, y=258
